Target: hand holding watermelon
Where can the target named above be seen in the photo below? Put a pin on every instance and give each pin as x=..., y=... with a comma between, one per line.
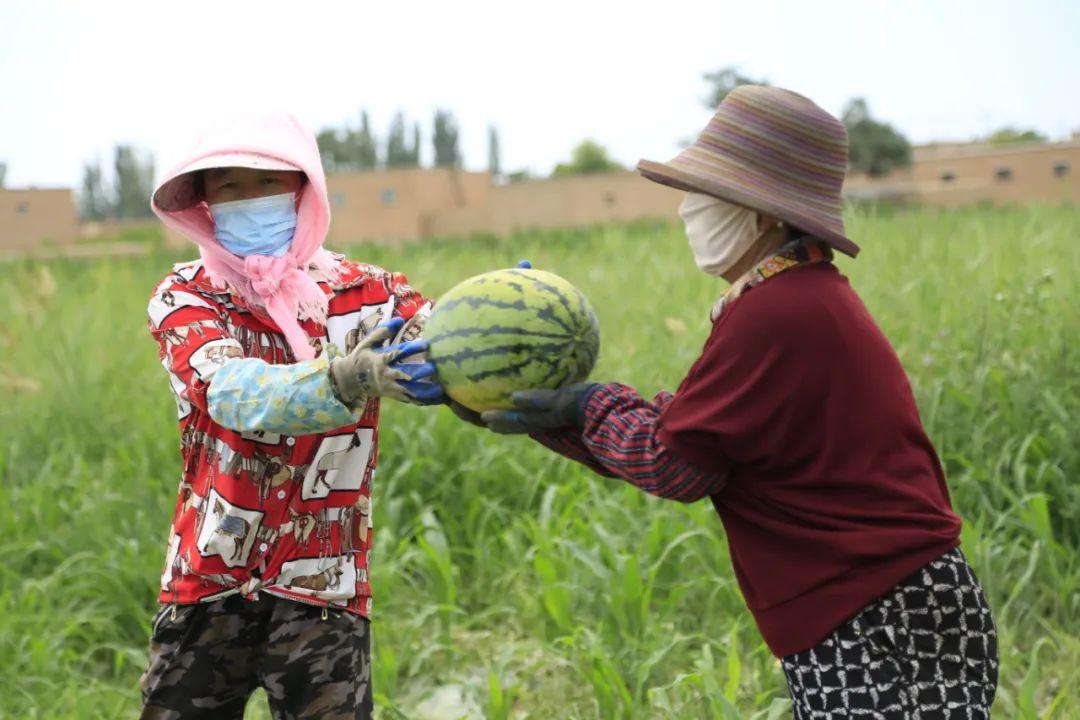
x=373, y=369
x=510, y=330
x=541, y=410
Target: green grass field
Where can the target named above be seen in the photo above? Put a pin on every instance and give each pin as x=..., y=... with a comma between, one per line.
x=535, y=588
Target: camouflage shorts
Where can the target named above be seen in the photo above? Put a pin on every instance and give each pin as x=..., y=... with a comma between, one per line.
x=207, y=659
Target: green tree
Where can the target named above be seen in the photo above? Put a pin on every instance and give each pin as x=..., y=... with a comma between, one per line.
x=723, y=81
x=363, y=152
x=874, y=147
x=134, y=171
x=1009, y=135
x=493, y=152
x=416, y=145
x=331, y=149
x=445, y=140
x=3, y=173
x=348, y=149
x=587, y=158
x=94, y=202
x=399, y=153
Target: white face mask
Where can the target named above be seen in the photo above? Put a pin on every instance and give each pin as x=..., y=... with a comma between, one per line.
x=720, y=233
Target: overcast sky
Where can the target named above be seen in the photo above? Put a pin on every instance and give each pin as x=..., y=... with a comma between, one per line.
x=78, y=77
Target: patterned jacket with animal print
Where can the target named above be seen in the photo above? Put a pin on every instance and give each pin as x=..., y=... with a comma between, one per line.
x=260, y=511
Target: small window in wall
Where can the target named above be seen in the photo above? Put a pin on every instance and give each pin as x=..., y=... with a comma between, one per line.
x=1061, y=168
x=947, y=176
x=22, y=208
x=388, y=196
x=337, y=199
x=1003, y=173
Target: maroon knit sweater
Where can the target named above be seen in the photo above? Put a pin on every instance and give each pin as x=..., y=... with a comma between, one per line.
x=799, y=422
x=834, y=493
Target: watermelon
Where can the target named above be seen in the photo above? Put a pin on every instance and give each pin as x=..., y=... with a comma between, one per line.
x=510, y=330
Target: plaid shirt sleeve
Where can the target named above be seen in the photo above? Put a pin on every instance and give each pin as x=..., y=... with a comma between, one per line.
x=620, y=440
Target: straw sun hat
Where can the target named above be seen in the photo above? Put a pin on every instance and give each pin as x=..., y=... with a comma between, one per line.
x=769, y=150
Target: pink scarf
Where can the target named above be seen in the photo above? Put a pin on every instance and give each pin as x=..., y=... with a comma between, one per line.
x=287, y=287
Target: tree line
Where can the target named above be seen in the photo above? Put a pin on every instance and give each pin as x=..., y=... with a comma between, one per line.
x=350, y=149
x=356, y=148
x=875, y=148
x=345, y=149
x=127, y=195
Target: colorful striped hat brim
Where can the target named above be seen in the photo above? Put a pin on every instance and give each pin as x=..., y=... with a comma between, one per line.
x=773, y=151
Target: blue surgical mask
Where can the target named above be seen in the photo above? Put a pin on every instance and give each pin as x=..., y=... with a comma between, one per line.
x=259, y=226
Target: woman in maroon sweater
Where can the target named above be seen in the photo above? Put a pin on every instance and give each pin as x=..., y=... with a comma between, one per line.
x=799, y=423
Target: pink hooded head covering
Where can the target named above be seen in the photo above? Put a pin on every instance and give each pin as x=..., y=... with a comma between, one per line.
x=286, y=286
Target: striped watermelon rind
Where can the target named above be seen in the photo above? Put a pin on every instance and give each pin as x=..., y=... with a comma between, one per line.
x=510, y=330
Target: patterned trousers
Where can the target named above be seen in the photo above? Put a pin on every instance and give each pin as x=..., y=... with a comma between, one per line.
x=207, y=659
x=926, y=651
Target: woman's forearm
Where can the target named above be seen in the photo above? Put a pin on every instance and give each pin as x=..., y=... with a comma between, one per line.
x=248, y=394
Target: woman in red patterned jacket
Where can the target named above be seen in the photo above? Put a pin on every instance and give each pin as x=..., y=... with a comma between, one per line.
x=266, y=576
x=799, y=424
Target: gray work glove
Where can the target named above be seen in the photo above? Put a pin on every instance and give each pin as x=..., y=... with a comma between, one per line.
x=372, y=371
x=541, y=410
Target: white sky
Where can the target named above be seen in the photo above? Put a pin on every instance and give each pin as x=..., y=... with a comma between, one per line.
x=78, y=77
